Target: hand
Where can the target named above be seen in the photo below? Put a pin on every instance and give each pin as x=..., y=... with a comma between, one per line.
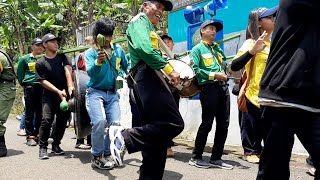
x=70, y=90
x=220, y=76
x=62, y=94
x=259, y=44
x=175, y=78
x=101, y=57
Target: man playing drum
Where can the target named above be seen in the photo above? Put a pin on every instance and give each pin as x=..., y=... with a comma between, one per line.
x=159, y=113
x=209, y=61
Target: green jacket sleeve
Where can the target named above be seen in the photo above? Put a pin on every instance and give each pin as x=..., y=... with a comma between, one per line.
x=140, y=39
x=21, y=69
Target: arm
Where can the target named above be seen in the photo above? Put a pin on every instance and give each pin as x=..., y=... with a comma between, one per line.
x=46, y=84
x=238, y=63
x=68, y=73
x=21, y=70
x=92, y=66
x=124, y=62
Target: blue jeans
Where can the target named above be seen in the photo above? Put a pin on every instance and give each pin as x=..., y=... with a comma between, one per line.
x=103, y=109
x=23, y=117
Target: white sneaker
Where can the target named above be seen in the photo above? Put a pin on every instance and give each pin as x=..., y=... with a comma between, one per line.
x=117, y=144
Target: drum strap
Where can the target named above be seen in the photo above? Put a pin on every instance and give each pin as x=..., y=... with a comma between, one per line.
x=217, y=58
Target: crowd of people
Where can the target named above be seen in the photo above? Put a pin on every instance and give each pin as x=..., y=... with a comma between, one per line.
x=280, y=61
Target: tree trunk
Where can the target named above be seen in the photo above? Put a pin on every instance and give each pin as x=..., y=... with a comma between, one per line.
x=90, y=11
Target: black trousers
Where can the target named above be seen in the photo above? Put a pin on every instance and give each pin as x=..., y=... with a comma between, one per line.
x=276, y=154
x=251, y=130
x=33, y=107
x=161, y=123
x=215, y=103
x=50, y=109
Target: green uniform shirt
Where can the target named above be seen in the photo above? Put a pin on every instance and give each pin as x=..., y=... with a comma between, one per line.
x=27, y=70
x=6, y=72
x=143, y=43
x=205, y=63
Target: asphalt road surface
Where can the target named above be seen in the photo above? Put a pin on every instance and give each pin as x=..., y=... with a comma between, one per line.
x=22, y=163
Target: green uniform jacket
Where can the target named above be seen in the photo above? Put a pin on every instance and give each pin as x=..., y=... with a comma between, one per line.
x=27, y=70
x=7, y=91
x=6, y=72
x=205, y=64
x=143, y=44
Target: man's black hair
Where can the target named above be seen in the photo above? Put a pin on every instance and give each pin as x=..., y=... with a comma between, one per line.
x=104, y=26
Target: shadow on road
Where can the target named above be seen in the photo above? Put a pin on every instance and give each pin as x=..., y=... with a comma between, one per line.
x=13, y=152
x=172, y=175
x=185, y=157
x=83, y=156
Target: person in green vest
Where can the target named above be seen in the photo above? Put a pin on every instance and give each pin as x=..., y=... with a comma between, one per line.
x=210, y=66
x=8, y=94
x=161, y=119
x=32, y=91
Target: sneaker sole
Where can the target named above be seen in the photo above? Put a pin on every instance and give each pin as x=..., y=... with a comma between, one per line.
x=194, y=164
x=253, y=162
x=97, y=166
x=57, y=153
x=221, y=167
x=44, y=157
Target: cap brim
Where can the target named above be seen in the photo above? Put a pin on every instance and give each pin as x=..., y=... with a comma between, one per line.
x=167, y=5
x=218, y=26
x=270, y=12
x=37, y=43
x=56, y=38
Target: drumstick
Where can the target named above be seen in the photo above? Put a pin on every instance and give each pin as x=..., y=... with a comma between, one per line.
x=165, y=48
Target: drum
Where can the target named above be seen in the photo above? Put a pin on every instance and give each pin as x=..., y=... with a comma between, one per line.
x=188, y=82
x=81, y=117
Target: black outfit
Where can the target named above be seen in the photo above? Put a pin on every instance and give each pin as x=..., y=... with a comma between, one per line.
x=292, y=75
x=33, y=108
x=215, y=103
x=53, y=71
x=161, y=122
x=250, y=125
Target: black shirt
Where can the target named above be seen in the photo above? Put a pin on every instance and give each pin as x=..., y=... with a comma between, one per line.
x=293, y=67
x=53, y=71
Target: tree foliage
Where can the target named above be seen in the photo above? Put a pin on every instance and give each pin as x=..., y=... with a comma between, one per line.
x=23, y=20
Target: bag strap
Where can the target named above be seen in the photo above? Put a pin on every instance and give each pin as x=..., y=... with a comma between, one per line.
x=10, y=62
x=251, y=68
x=217, y=58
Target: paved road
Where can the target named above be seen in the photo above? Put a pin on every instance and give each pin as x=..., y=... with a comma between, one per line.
x=22, y=163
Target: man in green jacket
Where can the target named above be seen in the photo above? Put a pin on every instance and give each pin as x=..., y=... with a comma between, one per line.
x=32, y=91
x=161, y=119
x=8, y=94
x=209, y=65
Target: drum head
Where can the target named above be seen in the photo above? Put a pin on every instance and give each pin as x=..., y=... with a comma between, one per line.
x=82, y=119
x=185, y=70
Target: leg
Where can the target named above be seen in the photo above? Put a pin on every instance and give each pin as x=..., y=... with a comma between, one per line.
x=95, y=100
x=150, y=170
x=29, y=110
x=46, y=122
x=309, y=135
x=274, y=164
x=209, y=102
x=222, y=123
x=160, y=114
x=7, y=97
x=61, y=123
x=251, y=130
x=112, y=110
x=162, y=122
x=136, y=121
